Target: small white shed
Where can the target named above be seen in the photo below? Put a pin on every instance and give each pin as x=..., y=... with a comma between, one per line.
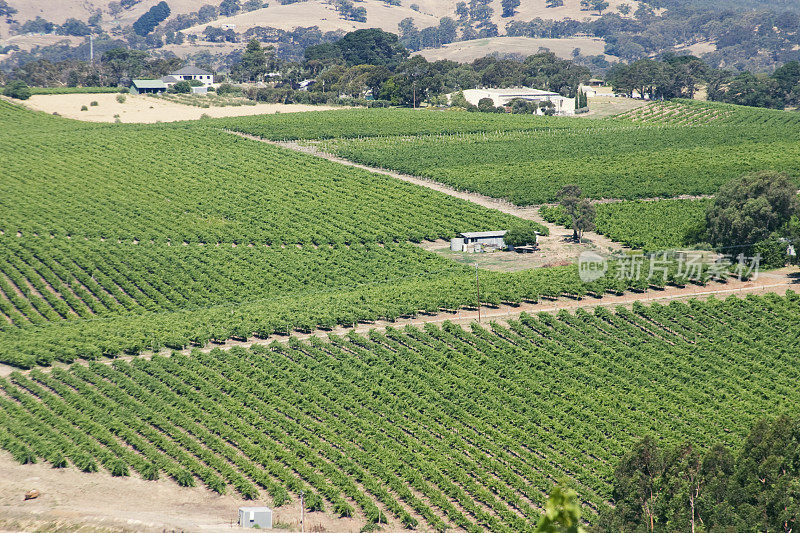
x=255, y=516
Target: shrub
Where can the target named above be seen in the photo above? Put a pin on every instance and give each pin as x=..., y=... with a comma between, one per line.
x=225, y=88
x=150, y=472
x=57, y=460
x=119, y=469
x=84, y=108
x=520, y=236
x=93, y=103
x=17, y=89
x=772, y=252
x=182, y=87
x=121, y=98
x=486, y=105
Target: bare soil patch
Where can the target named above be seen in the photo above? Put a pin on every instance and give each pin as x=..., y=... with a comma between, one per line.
x=71, y=499
x=148, y=109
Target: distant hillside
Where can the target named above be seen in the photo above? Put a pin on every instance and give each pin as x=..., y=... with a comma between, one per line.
x=756, y=35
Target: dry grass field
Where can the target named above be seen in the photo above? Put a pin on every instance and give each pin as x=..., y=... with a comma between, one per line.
x=307, y=13
x=147, y=109
x=467, y=51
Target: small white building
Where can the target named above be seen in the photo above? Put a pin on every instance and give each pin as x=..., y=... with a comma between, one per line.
x=478, y=241
x=255, y=516
x=194, y=73
x=502, y=97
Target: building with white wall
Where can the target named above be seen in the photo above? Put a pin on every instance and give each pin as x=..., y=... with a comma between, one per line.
x=194, y=73
x=502, y=97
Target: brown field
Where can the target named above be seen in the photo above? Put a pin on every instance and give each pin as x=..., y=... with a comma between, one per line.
x=308, y=13
x=72, y=500
x=320, y=13
x=467, y=51
x=148, y=109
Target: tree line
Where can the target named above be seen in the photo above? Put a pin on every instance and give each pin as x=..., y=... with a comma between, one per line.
x=675, y=76
x=660, y=487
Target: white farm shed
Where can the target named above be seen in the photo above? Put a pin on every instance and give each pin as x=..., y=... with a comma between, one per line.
x=502, y=97
x=255, y=516
x=476, y=241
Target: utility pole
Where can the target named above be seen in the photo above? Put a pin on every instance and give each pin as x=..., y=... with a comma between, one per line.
x=302, y=511
x=478, y=291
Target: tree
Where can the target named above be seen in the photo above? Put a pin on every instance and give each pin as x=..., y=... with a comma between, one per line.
x=751, y=90
x=486, y=105
x=123, y=63
x=182, y=87
x=554, y=3
x=255, y=63
x=509, y=8
x=207, y=13
x=520, y=235
x=151, y=18
x=95, y=20
x=580, y=210
x=680, y=489
x=38, y=25
x=625, y=9
x=229, y=8
x=372, y=47
x=252, y=5
x=448, y=30
x=749, y=209
x=409, y=34
x=599, y=6
x=584, y=218
x=74, y=27
x=6, y=10
x=17, y=89
x=562, y=513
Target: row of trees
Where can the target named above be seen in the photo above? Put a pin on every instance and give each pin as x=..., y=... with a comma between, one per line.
x=755, y=214
x=116, y=66
x=687, y=488
x=680, y=76
x=151, y=18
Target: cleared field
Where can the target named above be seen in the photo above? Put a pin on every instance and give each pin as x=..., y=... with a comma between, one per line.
x=141, y=109
x=468, y=51
x=436, y=427
x=649, y=226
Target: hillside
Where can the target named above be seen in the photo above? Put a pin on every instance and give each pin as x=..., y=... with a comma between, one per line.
x=467, y=51
x=320, y=13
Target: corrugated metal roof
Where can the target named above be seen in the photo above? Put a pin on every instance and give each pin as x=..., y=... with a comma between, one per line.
x=170, y=79
x=190, y=71
x=483, y=234
x=149, y=84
